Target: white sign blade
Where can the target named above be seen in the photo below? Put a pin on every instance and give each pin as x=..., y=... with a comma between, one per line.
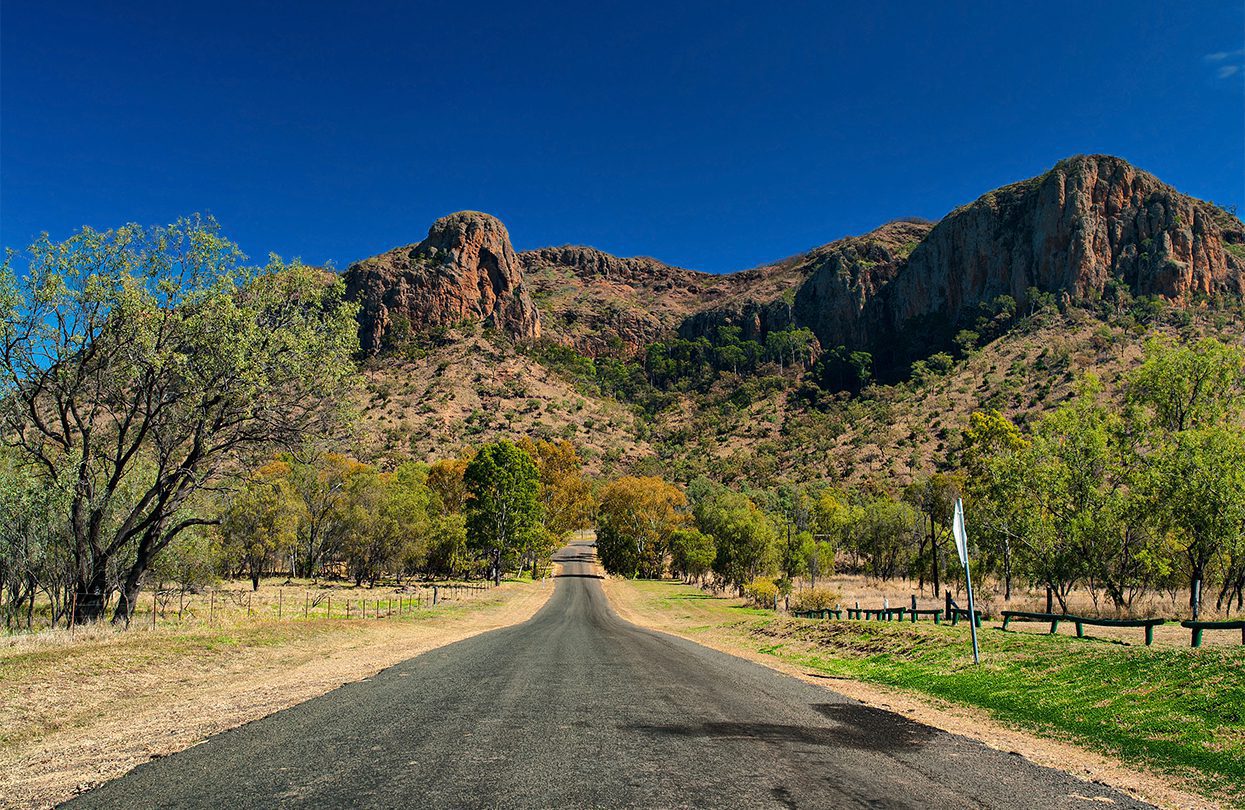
x=957, y=529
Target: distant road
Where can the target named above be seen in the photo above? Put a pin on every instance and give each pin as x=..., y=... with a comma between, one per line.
x=578, y=708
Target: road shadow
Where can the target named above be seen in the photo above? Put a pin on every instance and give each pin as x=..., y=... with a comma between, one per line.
x=855, y=726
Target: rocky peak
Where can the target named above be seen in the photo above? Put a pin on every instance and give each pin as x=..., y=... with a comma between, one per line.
x=840, y=298
x=465, y=272
x=1089, y=221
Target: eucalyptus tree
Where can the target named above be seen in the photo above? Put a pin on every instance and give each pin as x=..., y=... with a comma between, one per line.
x=1192, y=396
x=136, y=365
x=502, y=505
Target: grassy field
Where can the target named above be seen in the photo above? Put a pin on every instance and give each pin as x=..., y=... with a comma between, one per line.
x=79, y=709
x=1180, y=712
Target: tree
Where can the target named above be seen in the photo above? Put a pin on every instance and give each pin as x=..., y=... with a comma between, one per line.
x=691, y=553
x=502, y=505
x=934, y=499
x=882, y=533
x=1189, y=386
x=996, y=486
x=136, y=364
x=33, y=554
x=565, y=495
x=447, y=545
x=744, y=536
x=385, y=517
x=320, y=482
x=832, y=517
x=1202, y=492
x=260, y=520
x=636, y=519
x=1075, y=487
x=1190, y=399
x=445, y=478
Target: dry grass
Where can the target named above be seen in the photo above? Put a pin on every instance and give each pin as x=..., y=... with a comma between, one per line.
x=873, y=593
x=77, y=711
x=473, y=391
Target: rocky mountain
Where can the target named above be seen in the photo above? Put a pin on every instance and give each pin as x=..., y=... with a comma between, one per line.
x=899, y=292
x=1090, y=236
x=1087, y=223
x=465, y=272
x=603, y=304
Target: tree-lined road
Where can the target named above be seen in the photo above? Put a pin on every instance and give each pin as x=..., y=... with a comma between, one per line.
x=577, y=708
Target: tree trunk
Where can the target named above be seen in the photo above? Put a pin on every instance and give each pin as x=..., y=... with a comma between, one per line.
x=91, y=594
x=1195, y=594
x=128, y=600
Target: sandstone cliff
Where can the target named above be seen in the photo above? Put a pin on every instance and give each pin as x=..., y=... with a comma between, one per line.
x=899, y=292
x=465, y=271
x=829, y=289
x=1088, y=221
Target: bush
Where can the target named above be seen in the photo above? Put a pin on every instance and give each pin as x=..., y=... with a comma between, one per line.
x=761, y=592
x=815, y=599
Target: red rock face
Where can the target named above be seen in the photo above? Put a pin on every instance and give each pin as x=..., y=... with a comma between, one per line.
x=464, y=272
x=1089, y=220
x=899, y=292
x=841, y=300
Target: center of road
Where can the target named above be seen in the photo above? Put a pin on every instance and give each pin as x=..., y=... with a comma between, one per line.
x=578, y=708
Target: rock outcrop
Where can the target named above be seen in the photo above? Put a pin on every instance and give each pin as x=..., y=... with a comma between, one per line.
x=465, y=272
x=1087, y=223
x=1089, y=220
x=900, y=292
x=601, y=304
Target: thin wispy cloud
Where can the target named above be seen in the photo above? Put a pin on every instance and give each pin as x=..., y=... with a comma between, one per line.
x=1227, y=63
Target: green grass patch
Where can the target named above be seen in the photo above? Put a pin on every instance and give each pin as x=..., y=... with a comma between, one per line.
x=1178, y=711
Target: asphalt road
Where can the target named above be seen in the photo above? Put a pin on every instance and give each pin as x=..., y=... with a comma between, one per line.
x=577, y=708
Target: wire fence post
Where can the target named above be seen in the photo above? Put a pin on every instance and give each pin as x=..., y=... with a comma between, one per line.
x=154, y=597
x=280, y=599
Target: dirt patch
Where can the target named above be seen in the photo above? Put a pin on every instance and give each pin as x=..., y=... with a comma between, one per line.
x=976, y=724
x=118, y=701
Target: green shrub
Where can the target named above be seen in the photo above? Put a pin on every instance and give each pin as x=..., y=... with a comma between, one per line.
x=761, y=592
x=815, y=599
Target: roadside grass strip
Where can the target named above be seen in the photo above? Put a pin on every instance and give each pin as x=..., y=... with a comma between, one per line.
x=1176, y=711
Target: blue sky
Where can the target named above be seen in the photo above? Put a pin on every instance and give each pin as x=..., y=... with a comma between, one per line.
x=713, y=135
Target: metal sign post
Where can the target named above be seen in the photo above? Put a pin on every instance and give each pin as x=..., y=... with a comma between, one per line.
x=961, y=548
